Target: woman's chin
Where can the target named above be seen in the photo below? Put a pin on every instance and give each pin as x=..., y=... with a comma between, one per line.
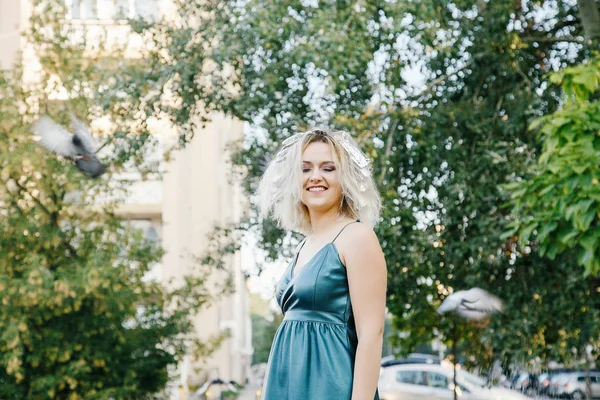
x=319, y=206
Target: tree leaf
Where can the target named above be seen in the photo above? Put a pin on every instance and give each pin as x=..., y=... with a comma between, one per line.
x=545, y=229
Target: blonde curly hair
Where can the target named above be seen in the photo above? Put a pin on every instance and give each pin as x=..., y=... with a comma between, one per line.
x=279, y=191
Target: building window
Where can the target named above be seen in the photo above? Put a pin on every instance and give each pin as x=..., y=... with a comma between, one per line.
x=147, y=9
x=150, y=230
x=113, y=9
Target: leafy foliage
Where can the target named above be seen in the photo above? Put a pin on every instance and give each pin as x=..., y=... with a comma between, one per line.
x=263, y=332
x=441, y=148
x=560, y=201
x=80, y=316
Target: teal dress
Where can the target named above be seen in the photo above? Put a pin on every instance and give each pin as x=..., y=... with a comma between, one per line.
x=312, y=356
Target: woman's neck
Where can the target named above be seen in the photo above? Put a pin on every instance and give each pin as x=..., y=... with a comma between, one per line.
x=323, y=222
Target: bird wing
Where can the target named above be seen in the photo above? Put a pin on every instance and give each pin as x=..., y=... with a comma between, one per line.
x=477, y=299
x=473, y=304
x=54, y=137
x=472, y=315
x=451, y=302
x=82, y=131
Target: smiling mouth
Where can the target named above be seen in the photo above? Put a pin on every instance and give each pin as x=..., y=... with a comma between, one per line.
x=316, y=189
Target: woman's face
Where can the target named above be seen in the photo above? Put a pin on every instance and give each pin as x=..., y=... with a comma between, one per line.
x=321, y=186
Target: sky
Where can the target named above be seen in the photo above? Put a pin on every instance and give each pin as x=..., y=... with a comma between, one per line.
x=263, y=284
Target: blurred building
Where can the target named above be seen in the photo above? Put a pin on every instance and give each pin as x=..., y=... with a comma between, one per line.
x=183, y=207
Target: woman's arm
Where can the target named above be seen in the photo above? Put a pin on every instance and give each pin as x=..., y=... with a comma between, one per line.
x=367, y=280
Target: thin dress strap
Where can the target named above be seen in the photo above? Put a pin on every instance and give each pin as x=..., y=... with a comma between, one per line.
x=344, y=227
x=301, y=245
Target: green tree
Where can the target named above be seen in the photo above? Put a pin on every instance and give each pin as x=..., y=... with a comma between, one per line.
x=440, y=149
x=263, y=332
x=560, y=200
x=79, y=318
x=556, y=206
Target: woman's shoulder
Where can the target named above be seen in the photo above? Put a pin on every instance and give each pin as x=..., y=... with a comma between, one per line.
x=357, y=231
x=357, y=238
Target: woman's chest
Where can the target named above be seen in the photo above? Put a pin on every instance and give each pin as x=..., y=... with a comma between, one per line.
x=317, y=286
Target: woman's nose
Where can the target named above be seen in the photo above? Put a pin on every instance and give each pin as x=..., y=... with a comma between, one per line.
x=315, y=175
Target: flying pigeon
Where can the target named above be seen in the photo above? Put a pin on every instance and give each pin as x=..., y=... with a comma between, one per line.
x=474, y=304
x=79, y=146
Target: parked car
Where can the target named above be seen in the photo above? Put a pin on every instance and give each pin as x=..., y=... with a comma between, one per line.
x=505, y=381
x=556, y=384
x=572, y=385
x=435, y=382
x=526, y=383
x=544, y=383
x=517, y=380
x=414, y=358
x=545, y=380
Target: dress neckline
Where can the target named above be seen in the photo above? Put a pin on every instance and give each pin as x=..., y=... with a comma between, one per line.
x=294, y=273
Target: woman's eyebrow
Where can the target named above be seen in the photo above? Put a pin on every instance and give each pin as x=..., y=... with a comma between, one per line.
x=322, y=162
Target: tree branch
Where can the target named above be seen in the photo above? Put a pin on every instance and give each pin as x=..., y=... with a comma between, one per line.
x=388, y=147
x=590, y=18
x=35, y=199
x=12, y=200
x=431, y=85
x=543, y=39
x=53, y=218
x=525, y=79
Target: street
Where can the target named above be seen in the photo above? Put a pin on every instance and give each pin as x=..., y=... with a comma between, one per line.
x=248, y=393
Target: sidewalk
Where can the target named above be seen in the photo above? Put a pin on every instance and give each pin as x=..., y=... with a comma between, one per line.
x=248, y=393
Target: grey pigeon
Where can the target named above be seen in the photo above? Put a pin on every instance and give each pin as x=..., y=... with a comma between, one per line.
x=474, y=304
x=79, y=146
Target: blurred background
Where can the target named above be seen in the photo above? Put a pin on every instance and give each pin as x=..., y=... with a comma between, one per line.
x=156, y=279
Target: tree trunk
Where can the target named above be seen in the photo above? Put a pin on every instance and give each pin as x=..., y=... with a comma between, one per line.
x=587, y=352
x=454, y=354
x=588, y=385
x=590, y=18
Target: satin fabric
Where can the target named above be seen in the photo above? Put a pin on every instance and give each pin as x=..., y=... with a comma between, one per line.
x=312, y=356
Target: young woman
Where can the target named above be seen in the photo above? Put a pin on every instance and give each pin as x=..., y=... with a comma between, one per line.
x=332, y=294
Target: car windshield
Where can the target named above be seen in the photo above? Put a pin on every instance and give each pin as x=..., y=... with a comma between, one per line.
x=471, y=379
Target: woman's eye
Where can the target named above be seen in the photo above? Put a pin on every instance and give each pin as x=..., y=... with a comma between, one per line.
x=326, y=169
